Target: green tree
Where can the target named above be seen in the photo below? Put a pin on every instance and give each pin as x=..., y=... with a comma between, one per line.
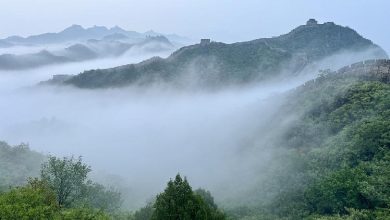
x=209, y=200
x=179, y=202
x=144, y=213
x=207, y=197
x=34, y=201
x=17, y=163
x=67, y=177
x=83, y=214
x=99, y=197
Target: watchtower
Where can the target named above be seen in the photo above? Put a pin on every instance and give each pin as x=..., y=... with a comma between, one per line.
x=205, y=41
x=312, y=21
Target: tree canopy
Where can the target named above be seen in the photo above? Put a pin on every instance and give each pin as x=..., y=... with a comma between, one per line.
x=179, y=202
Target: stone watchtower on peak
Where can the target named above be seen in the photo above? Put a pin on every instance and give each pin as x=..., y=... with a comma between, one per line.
x=205, y=41
x=312, y=21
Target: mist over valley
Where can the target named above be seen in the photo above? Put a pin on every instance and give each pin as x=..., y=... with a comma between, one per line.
x=264, y=126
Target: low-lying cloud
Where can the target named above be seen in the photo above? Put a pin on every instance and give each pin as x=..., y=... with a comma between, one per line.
x=146, y=135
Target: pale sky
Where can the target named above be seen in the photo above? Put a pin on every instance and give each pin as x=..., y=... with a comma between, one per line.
x=221, y=20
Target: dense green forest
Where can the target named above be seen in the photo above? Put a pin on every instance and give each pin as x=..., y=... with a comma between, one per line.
x=332, y=162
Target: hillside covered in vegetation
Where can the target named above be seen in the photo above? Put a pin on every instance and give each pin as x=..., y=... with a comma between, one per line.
x=331, y=161
x=334, y=157
x=218, y=64
x=17, y=163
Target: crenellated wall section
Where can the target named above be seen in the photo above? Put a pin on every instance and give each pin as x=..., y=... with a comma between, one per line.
x=379, y=69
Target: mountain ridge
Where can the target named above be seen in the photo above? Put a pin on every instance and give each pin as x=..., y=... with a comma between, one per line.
x=215, y=64
x=92, y=49
x=77, y=32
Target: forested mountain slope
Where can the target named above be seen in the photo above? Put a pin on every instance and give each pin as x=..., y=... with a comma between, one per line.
x=218, y=64
x=331, y=152
x=17, y=164
x=334, y=158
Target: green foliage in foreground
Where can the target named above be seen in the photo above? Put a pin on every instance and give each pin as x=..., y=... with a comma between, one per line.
x=67, y=177
x=64, y=192
x=33, y=201
x=179, y=202
x=144, y=213
x=36, y=200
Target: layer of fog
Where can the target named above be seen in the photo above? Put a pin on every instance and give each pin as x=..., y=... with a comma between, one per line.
x=19, y=50
x=30, y=57
x=11, y=80
x=147, y=135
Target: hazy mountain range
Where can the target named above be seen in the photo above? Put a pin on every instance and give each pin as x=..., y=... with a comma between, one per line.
x=75, y=44
x=109, y=46
x=218, y=64
x=77, y=33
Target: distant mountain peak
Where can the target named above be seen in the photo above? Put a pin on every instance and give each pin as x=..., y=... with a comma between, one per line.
x=116, y=36
x=77, y=32
x=98, y=28
x=74, y=27
x=116, y=28
x=152, y=33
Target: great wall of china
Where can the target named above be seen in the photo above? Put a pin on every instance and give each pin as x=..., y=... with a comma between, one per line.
x=378, y=69
x=368, y=70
